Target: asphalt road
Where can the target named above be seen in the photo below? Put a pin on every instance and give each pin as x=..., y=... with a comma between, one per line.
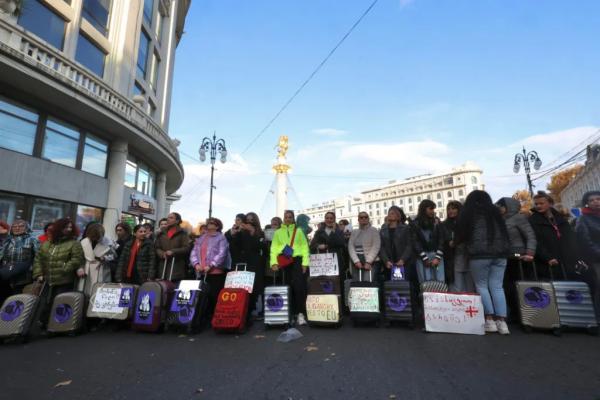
x=345, y=363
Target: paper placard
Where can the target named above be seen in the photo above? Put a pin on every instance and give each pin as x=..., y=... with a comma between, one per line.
x=107, y=301
x=322, y=308
x=240, y=280
x=324, y=264
x=364, y=299
x=187, y=285
x=453, y=313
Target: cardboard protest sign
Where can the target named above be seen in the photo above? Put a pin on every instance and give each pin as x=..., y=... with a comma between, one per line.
x=322, y=307
x=324, y=264
x=107, y=300
x=240, y=280
x=364, y=299
x=453, y=313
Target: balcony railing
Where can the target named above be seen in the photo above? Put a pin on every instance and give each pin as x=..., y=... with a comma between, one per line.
x=15, y=42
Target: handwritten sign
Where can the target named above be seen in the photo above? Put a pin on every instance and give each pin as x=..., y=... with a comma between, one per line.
x=364, y=299
x=324, y=264
x=108, y=300
x=323, y=307
x=453, y=313
x=240, y=280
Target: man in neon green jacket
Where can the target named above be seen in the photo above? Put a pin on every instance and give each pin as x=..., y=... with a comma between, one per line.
x=294, y=272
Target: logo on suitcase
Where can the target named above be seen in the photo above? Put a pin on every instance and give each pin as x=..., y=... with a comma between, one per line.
x=275, y=302
x=395, y=302
x=62, y=313
x=536, y=297
x=326, y=286
x=125, y=298
x=12, y=311
x=183, y=305
x=574, y=297
x=144, y=309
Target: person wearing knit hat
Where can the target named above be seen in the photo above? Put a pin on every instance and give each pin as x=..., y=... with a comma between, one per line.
x=588, y=237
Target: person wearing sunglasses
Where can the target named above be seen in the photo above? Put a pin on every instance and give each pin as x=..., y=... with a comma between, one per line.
x=363, y=246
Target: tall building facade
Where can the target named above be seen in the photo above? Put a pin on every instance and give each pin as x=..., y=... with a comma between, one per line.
x=587, y=179
x=455, y=184
x=85, y=93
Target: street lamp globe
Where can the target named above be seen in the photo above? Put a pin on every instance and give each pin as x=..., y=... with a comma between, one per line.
x=537, y=163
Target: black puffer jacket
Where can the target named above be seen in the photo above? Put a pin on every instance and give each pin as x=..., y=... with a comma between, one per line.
x=485, y=245
x=588, y=236
x=561, y=245
x=432, y=244
x=336, y=243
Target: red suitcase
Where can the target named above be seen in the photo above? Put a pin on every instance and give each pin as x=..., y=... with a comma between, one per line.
x=231, y=311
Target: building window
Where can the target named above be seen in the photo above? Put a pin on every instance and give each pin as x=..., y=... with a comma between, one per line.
x=461, y=192
x=370, y=206
x=43, y=22
x=151, y=108
x=90, y=55
x=418, y=199
x=130, y=173
x=439, y=196
x=143, y=179
x=410, y=200
x=160, y=23
x=155, y=67
x=87, y=214
x=439, y=204
x=96, y=13
x=474, y=180
x=148, y=11
x=142, y=60
x=61, y=143
x=95, y=154
x=45, y=211
x=448, y=181
x=17, y=127
x=11, y=207
x=449, y=194
x=410, y=208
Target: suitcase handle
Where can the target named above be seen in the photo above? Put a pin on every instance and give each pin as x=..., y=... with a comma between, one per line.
x=275, y=277
x=360, y=275
x=244, y=264
x=165, y=268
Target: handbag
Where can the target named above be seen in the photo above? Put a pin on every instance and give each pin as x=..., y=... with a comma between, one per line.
x=12, y=270
x=286, y=258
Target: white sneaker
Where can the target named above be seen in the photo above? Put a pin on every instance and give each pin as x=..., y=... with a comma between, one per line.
x=502, y=327
x=490, y=326
x=301, y=320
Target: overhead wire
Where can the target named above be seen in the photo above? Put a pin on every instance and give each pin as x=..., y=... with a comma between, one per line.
x=310, y=77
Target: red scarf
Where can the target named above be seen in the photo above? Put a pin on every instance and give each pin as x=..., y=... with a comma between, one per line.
x=171, y=232
x=132, y=256
x=590, y=211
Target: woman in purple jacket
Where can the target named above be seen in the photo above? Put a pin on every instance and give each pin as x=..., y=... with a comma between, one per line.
x=210, y=257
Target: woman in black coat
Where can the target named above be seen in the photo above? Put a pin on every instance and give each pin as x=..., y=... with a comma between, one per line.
x=329, y=238
x=556, y=241
x=588, y=236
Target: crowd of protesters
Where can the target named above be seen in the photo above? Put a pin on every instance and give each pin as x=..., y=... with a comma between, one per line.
x=478, y=247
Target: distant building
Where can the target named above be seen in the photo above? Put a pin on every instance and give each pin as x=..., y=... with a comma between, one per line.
x=587, y=179
x=455, y=184
x=85, y=97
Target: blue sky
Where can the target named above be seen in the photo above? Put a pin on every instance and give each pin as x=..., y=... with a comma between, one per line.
x=420, y=86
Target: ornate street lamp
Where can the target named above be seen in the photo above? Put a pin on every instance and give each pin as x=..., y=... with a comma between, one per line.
x=526, y=158
x=213, y=145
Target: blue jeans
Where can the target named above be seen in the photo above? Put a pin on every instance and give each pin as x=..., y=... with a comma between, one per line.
x=430, y=273
x=488, y=275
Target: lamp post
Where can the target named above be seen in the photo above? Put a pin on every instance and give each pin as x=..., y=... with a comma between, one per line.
x=526, y=158
x=213, y=145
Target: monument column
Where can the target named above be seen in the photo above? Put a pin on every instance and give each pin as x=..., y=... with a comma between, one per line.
x=281, y=169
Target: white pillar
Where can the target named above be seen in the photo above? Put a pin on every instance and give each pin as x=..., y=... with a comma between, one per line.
x=161, y=196
x=281, y=199
x=116, y=186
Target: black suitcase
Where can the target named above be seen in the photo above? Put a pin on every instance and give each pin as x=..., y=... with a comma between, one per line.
x=362, y=312
x=188, y=308
x=324, y=285
x=398, y=301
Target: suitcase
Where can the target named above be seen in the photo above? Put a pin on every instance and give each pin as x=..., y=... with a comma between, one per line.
x=231, y=311
x=67, y=314
x=575, y=305
x=434, y=286
x=18, y=314
x=112, y=301
x=537, y=303
x=151, y=304
x=324, y=310
x=277, y=310
x=398, y=301
x=364, y=301
x=188, y=307
x=324, y=285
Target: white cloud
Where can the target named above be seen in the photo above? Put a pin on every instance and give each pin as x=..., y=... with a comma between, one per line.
x=330, y=132
x=404, y=3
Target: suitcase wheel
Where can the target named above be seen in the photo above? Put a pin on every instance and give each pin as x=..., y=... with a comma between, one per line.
x=557, y=332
